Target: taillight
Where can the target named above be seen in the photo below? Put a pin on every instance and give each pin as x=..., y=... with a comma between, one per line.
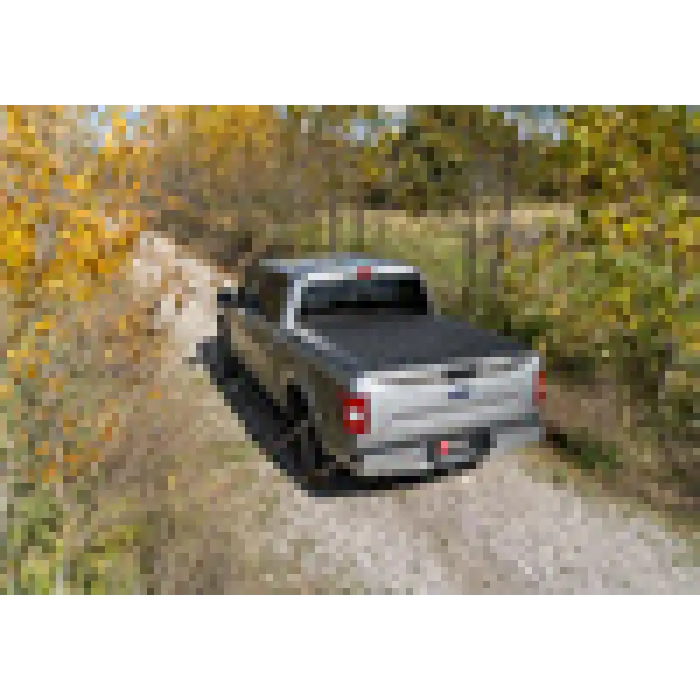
x=355, y=413
x=539, y=387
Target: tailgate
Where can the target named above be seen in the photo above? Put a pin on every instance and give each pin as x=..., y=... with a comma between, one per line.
x=450, y=398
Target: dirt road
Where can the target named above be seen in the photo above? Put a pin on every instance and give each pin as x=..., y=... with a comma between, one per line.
x=493, y=530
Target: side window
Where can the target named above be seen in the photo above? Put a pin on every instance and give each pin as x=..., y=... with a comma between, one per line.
x=273, y=297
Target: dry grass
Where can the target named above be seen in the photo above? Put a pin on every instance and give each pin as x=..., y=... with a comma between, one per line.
x=604, y=414
x=525, y=216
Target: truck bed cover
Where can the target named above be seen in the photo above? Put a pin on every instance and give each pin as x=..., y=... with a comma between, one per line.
x=389, y=342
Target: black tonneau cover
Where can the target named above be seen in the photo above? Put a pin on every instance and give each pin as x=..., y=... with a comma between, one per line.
x=389, y=342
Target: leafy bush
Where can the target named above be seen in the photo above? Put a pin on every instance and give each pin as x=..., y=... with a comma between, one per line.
x=68, y=376
x=68, y=212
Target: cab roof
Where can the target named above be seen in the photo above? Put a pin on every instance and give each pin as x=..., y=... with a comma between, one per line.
x=303, y=267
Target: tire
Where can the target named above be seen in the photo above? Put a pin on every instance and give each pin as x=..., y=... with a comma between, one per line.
x=313, y=462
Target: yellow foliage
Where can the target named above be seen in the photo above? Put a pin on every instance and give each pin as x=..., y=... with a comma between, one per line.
x=45, y=189
x=209, y=160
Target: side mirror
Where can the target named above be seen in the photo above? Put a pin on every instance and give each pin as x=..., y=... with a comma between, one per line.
x=228, y=298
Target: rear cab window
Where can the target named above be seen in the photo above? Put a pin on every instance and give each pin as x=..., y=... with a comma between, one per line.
x=374, y=293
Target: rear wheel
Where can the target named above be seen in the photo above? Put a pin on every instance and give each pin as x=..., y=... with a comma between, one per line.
x=313, y=462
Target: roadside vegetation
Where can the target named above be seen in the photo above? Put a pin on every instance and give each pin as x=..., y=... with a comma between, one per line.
x=80, y=354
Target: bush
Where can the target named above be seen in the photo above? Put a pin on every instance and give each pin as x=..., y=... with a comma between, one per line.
x=71, y=371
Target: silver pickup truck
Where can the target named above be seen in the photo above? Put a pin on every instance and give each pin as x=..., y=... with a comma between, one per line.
x=370, y=378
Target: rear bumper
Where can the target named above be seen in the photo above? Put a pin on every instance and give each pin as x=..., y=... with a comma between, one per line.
x=412, y=456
